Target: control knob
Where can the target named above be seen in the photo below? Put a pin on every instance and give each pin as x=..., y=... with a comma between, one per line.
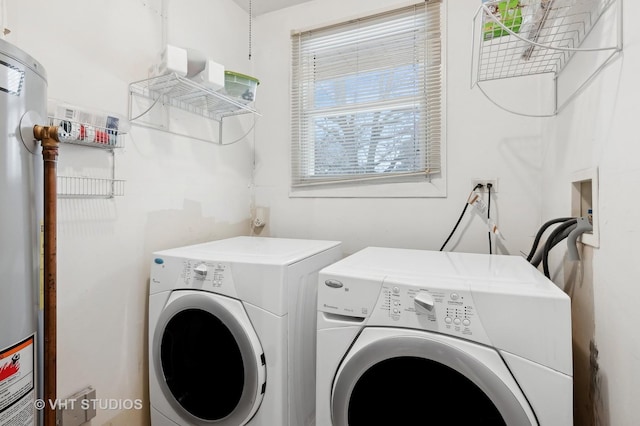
x=201, y=270
x=425, y=301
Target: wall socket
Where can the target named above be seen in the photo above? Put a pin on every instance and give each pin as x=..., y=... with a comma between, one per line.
x=484, y=182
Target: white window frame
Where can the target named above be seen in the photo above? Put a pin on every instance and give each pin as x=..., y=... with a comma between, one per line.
x=430, y=185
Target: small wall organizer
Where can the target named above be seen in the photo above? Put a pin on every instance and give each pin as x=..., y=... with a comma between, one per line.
x=519, y=38
x=184, y=94
x=75, y=127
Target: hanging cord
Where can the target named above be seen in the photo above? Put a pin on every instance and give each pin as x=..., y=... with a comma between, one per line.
x=489, y=215
x=466, y=205
x=549, y=244
x=250, y=19
x=543, y=228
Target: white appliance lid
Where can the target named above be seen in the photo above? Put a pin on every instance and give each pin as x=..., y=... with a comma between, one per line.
x=258, y=250
x=493, y=273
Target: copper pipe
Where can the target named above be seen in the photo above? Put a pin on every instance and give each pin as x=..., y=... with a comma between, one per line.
x=48, y=135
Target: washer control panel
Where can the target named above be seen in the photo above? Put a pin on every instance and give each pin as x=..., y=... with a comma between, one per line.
x=445, y=309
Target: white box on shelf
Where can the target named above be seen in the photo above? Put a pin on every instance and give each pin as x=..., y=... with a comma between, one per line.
x=212, y=76
x=172, y=60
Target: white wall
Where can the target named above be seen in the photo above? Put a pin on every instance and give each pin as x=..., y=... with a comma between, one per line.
x=482, y=141
x=178, y=191
x=599, y=129
x=534, y=159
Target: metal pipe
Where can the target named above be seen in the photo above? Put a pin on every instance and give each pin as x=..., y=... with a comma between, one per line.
x=48, y=135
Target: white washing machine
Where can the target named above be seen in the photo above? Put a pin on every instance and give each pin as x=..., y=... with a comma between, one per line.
x=418, y=337
x=232, y=331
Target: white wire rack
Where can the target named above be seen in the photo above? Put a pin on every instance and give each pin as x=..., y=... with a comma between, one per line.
x=103, y=138
x=87, y=187
x=186, y=95
x=517, y=38
x=77, y=133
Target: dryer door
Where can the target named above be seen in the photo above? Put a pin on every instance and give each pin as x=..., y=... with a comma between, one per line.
x=208, y=359
x=403, y=377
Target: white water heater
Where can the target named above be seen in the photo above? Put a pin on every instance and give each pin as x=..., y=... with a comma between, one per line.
x=23, y=102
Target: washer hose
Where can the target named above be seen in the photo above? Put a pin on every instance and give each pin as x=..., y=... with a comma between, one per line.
x=541, y=231
x=549, y=244
x=537, y=259
x=582, y=226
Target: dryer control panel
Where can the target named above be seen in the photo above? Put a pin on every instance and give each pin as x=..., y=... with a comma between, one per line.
x=446, y=308
x=206, y=275
x=171, y=273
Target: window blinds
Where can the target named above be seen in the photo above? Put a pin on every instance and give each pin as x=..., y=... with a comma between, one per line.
x=367, y=98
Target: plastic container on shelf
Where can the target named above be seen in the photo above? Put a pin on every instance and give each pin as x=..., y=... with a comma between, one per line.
x=241, y=87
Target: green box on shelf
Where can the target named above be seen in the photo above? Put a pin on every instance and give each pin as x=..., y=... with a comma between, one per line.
x=240, y=86
x=507, y=12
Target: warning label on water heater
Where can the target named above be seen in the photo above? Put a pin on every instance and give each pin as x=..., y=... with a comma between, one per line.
x=17, y=392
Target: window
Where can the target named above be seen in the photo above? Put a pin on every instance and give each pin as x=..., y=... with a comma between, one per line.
x=367, y=99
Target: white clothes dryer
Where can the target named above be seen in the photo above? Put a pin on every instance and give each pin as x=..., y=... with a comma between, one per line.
x=418, y=337
x=232, y=331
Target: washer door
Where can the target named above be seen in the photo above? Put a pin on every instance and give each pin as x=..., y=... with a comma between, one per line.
x=208, y=358
x=403, y=377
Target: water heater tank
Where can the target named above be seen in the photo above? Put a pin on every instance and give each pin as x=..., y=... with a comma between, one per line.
x=23, y=99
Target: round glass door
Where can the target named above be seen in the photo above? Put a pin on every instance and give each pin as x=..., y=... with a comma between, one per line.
x=412, y=391
x=202, y=364
x=208, y=359
x=408, y=377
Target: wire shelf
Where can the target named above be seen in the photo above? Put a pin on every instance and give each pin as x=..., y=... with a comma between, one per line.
x=187, y=95
x=89, y=135
x=86, y=187
x=541, y=36
x=517, y=38
x=78, y=133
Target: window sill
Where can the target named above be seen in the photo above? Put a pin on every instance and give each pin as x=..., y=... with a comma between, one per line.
x=436, y=188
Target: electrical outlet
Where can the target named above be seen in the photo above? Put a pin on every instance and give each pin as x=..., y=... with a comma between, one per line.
x=484, y=182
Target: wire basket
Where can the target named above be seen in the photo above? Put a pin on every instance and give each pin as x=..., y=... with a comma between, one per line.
x=527, y=37
x=87, y=187
x=80, y=133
